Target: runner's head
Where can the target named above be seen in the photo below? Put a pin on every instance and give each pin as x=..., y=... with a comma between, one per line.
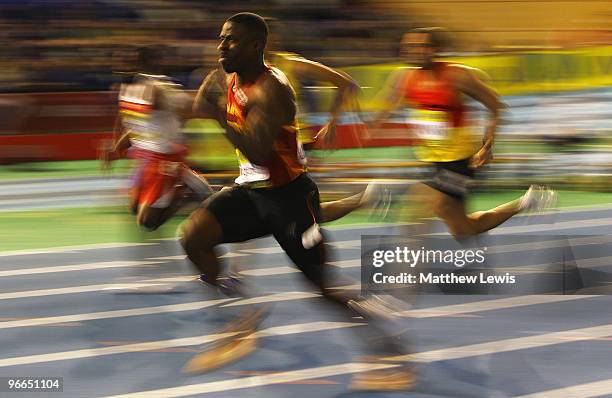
x=242, y=43
x=421, y=45
x=149, y=58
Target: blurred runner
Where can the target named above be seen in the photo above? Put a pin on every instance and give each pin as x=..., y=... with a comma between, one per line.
x=152, y=109
x=274, y=195
x=435, y=93
x=376, y=195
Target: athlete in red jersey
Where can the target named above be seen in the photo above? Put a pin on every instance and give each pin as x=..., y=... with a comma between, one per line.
x=151, y=110
x=273, y=194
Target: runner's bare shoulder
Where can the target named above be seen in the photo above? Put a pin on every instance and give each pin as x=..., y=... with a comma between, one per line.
x=398, y=78
x=276, y=91
x=469, y=71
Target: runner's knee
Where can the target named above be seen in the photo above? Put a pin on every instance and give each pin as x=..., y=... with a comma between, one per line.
x=149, y=218
x=201, y=232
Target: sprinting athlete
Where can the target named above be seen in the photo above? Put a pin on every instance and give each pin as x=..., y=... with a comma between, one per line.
x=152, y=109
x=274, y=195
x=436, y=93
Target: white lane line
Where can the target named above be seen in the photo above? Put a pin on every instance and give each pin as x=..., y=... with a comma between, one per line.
x=54, y=199
x=169, y=343
x=283, y=270
x=183, y=257
x=154, y=310
x=232, y=254
x=72, y=249
x=264, y=250
x=551, y=228
x=169, y=258
x=498, y=249
x=489, y=305
x=76, y=267
x=274, y=298
x=342, y=244
x=346, y=244
x=346, y=263
x=595, y=262
x=280, y=270
x=532, y=268
x=444, y=354
x=586, y=390
x=162, y=309
x=288, y=270
x=506, y=345
x=82, y=289
x=549, y=244
x=258, y=381
x=439, y=311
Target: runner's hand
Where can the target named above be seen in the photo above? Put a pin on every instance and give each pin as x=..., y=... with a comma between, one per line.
x=482, y=157
x=105, y=155
x=327, y=133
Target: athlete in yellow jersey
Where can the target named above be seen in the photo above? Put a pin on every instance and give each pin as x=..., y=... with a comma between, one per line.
x=435, y=92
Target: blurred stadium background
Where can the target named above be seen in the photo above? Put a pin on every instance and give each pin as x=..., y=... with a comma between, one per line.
x=550, y=60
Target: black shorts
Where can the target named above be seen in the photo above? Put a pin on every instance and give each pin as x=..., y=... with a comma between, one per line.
x=451, y=178
x=285, y=212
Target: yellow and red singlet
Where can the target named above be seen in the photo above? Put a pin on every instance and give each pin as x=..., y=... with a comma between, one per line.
x=286, y=161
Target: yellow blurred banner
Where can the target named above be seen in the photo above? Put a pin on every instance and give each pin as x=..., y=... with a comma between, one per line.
x=515, y=73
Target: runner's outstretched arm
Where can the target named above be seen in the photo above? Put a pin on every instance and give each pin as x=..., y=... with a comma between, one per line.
x=391, y=97
x=469, y=82
x=346, y=88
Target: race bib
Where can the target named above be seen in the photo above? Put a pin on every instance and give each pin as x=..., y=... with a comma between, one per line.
x=250, y=172
x=430, y=125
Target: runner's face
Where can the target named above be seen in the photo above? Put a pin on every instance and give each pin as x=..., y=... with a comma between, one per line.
x=416, y=49
x=236, y=48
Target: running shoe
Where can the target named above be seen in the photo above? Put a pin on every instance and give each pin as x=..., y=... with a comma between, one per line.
x=377, y=197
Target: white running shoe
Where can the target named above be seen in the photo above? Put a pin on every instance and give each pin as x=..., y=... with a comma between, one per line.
x=378, y=197
x=379, y=306
x=145, y=289
x=537, y=199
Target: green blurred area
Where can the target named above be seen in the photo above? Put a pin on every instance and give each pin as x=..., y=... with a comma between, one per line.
x=79, y=226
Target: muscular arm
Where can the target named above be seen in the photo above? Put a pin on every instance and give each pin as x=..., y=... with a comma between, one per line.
x=211, y=96
x=122, y=143
x=110, y=151
x=391, y=96
x=271, y=106
x=171, y=97
x=309, y=70
x=469, y=81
